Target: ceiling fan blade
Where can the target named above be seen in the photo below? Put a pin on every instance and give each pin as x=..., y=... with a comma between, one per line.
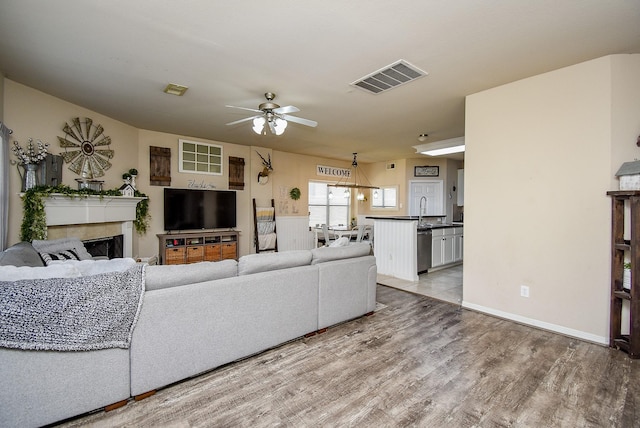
x=300, y=120
x=245, y=108
x=246, y=119
x=286, y=109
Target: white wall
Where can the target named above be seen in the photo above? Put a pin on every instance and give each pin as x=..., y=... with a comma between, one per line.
x=540, y=155
x=31, y=113
x=148, y=243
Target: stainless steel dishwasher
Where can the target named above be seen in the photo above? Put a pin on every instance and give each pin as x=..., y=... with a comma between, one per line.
x=424, y=250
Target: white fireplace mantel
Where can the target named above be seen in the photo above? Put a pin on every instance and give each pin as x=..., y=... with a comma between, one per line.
x=63, y=210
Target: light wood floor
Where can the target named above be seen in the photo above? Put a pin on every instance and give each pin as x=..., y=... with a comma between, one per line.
x=444, y=284
x=416, y=362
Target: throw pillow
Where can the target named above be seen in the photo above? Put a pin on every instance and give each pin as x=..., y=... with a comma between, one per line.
x=47, y=258
x=62, y=244
x=21, y=254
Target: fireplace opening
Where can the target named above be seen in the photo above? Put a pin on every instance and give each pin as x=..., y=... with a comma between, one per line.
x=111, y=246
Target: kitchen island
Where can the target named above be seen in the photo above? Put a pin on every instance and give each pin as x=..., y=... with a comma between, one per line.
x=398, y=240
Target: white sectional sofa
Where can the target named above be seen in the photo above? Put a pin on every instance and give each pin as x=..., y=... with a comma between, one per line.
x=193, y=318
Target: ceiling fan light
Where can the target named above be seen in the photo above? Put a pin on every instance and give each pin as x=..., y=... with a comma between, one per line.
x=280, y=125
x=258, y=125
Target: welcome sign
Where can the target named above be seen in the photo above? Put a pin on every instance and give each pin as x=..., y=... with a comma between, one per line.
x=332, y=171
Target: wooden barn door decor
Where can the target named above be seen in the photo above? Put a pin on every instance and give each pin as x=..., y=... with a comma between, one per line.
x=236, y=173
x=160, y=166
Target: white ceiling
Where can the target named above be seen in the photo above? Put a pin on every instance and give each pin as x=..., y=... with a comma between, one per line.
x=115, y=57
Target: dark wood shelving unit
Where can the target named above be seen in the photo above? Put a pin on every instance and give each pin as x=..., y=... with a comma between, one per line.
x=620, y=248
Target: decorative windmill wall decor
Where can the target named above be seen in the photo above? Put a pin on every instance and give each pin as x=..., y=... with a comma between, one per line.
x=86, y=148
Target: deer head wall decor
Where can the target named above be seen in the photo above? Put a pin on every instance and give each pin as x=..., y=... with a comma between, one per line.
x=267, y=168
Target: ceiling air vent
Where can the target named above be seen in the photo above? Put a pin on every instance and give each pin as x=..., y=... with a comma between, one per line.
x=389, y=77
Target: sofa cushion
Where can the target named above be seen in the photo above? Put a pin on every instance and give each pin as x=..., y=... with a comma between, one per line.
x=20, y=254
x=165, y=276
x=254, y=263
x=327, y=254
x=62, y=244
x=17, y=273
x=94, y=267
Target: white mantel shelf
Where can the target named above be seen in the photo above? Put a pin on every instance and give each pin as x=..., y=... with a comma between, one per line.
x=62, y=210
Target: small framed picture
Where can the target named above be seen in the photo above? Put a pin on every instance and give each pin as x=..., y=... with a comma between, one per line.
x=426, y=171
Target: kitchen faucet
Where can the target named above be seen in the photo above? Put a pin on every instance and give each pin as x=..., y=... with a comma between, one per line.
x=424, y=198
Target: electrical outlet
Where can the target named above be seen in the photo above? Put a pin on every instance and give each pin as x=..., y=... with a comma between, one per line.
x=524, y=291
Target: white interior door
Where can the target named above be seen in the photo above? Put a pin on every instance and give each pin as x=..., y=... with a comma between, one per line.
x=433, y=190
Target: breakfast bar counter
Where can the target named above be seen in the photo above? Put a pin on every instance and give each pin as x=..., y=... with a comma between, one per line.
x=400, y=245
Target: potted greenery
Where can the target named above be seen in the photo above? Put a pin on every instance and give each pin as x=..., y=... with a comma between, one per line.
x=626, y=276
x=294, y=194
x=134, y=173
x=34, y=220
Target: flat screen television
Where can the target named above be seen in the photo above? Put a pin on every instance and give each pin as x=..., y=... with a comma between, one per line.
x=193, y=209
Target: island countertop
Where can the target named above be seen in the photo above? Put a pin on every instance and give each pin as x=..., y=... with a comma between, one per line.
x=415, y=218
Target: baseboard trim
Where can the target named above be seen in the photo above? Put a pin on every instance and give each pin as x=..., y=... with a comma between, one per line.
x=600, y=340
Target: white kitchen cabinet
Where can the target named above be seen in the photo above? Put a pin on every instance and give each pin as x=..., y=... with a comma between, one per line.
x=436, y=248
x=458, y=242
x=446, y=246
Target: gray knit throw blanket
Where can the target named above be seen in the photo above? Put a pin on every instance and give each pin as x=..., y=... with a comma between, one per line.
x=71, y=314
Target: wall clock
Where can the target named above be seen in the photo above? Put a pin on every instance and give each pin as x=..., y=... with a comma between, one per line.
x=86, y=148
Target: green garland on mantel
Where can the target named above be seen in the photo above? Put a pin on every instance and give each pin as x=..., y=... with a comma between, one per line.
x=34, y=222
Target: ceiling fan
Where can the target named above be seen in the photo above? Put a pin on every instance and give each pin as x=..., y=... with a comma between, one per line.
x=274, y=116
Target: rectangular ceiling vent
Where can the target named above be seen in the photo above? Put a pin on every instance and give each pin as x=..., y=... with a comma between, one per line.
x=389, y=77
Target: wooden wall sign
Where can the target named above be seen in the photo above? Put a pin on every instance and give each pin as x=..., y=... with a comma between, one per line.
x=160, y=166
x=236, y=173
x=426, y=171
